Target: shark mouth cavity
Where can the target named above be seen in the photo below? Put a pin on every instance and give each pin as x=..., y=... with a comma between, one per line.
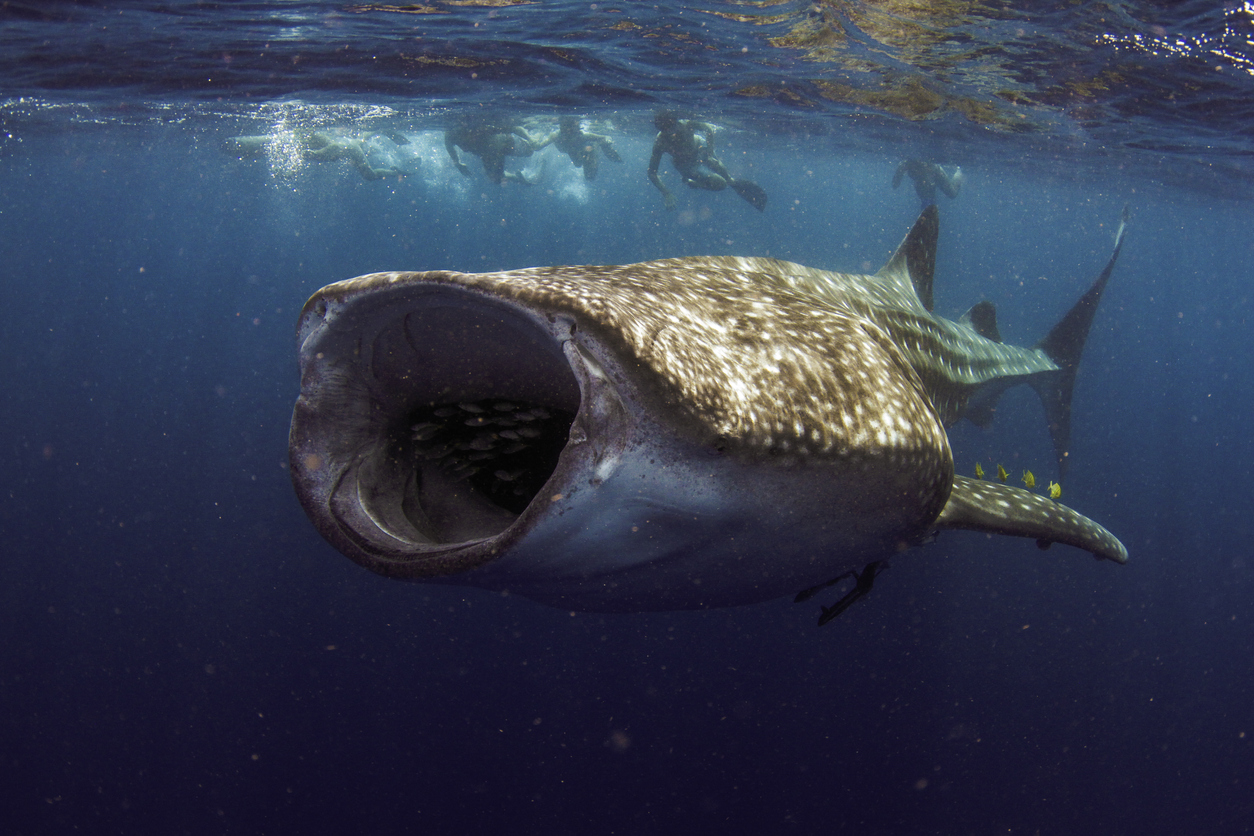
x=429, y=420
x=504, y=451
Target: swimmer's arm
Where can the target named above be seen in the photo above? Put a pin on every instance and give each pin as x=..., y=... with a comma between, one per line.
x=951, y=183
x=546, y=142
x=451, y=147
x=654, y=161
x=526, y=137
x=606, y=144
x=707, y=131
x=608, y=149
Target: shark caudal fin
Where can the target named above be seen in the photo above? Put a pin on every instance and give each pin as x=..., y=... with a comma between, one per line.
x=1064, y=344
x=916, y=257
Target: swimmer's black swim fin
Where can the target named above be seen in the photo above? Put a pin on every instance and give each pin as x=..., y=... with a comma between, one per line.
x=751, y=192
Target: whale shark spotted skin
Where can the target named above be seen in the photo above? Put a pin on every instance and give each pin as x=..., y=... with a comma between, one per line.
x=674, y=434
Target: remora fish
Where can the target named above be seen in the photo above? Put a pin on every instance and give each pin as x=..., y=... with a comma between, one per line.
x=675, y=434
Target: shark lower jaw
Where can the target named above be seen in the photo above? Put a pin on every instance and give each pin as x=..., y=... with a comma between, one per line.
x=433, y=446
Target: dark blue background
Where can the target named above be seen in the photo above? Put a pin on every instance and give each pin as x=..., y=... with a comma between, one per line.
x=181, y=653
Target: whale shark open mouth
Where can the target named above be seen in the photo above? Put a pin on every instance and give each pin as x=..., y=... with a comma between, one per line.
x=438, y=427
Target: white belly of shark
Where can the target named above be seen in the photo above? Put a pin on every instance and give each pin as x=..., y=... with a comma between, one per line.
x=675, y=434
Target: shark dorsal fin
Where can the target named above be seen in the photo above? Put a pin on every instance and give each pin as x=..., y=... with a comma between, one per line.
x=982, y=319
x=977, y=505
x=916, y=257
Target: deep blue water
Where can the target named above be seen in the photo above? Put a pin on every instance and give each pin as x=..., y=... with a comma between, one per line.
x=182, y=653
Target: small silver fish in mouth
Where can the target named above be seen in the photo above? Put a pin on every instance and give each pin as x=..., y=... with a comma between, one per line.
x=674, y=434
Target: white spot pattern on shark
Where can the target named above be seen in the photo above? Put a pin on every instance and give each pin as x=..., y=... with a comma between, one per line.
x=718, y=430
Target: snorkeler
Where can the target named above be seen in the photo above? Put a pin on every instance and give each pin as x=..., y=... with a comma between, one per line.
x=580, y=145
x=864, y=581
x=491, y=141
x=327, y=146
x=691, y=146
x=927, y=177
x=323, y=146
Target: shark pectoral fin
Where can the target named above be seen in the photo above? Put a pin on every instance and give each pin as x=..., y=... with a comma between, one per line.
x=1000, y=509
x=916, y=257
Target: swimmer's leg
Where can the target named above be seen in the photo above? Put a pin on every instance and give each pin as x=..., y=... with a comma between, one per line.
x=703, y=178
x=494, y=167
x=716, y=165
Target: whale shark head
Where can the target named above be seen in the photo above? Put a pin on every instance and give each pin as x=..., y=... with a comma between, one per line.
x=673, y=434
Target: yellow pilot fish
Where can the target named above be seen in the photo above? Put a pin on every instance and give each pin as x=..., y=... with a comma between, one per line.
x=1055, y=490
x=1002, y=475
x=979, y=471
x=1029, y=480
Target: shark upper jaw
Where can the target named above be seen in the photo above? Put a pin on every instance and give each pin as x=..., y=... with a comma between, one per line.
x=641, y=509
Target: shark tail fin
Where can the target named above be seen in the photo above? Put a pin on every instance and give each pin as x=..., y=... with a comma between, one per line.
x=916, y=257
x=1064, y=344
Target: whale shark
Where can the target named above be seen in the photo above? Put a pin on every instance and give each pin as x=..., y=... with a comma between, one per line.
x=675, y=434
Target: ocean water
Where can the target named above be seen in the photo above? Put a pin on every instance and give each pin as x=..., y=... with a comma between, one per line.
x=181, y=652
